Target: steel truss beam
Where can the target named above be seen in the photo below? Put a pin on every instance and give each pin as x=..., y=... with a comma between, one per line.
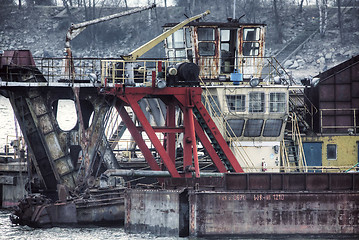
x=187, y=99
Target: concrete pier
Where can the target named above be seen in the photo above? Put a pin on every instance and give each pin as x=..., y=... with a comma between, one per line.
x=13, y=177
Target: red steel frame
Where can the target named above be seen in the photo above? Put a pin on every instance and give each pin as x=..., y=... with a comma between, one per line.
x=186, y=98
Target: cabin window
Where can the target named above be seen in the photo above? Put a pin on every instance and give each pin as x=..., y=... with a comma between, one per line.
x=212, y=105
x=272, y=128
x=235, y=127
x=188, y=38
x=205, y=34
x=206, y=49
x=277, y=102
x=236, y=103
x=176, y=45
x=251, y=37
x=178, y=39
x=206, y=44
x=171, y=54
x=169, y=42
x=256, y=102
x=332, y=152
x=253, y=127
x=225, y=40
x=180, y=54
x=227, y=50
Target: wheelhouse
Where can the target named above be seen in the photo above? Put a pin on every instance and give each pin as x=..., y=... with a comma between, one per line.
x=219, y=49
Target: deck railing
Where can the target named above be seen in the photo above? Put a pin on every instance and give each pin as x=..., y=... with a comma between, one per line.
x=351, y=114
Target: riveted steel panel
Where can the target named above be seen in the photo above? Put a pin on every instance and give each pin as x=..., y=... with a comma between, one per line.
x=263, y=212
x=54, y=145
x=45, y=124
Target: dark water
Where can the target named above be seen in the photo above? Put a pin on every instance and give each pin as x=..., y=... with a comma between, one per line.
x=11, y=231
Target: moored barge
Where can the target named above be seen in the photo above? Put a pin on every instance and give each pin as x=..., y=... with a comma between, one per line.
x=212, y=110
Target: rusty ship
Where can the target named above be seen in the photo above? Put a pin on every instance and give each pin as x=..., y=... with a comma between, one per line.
x=214, y=140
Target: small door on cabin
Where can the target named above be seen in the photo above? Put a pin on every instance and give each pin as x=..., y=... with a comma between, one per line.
x=313, y=154
x=250, y=51
x=228, y=50
x=207, y=51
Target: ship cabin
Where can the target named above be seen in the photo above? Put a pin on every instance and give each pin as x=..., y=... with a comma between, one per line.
x=219, y=48
x=246, y=93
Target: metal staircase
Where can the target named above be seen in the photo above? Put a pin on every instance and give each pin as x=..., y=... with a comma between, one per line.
x=293, y=156
x=204, y=123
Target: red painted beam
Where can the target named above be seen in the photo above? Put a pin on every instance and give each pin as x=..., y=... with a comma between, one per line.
x=152, y=136
x=216, y=133
x=165, y=129
x=171, y=136
x=193, y=141
x=137, y=137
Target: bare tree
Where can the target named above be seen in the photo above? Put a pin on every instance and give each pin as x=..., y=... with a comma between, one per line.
x=323, y=16
x=66, y=5
x=277, y=22
x=340, y=22
x=301, y=6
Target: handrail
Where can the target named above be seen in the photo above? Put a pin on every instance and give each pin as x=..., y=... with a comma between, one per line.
x=355, y=166
x=297, y=140
x=354, y=126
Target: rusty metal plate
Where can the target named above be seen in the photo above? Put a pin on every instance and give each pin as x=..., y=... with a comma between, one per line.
x=317, y=182
x=155, y=211
x=54, y=145
x=238, y=213
x=203, y=183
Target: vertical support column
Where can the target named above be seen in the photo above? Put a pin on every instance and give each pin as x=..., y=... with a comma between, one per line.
x=171, y=137
x=187, y=144
x=193, y=141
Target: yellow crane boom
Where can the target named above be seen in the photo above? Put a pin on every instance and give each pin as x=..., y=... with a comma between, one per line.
x=149, y=45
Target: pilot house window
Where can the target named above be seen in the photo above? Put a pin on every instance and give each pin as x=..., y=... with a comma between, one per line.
x=206, y=41
x=235, y=127
x=176, y=45
x=272, y=128
x=277, y=102
x=236, y=103
x=251, y=37
x=253, y=128
x=256, y=102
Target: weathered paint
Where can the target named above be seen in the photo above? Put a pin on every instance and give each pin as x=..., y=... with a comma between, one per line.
x=338, y=91
x=210, y=66
x=96, y=206
x=347, y=150
x=110, y=211
x=155, y=211
x=249, y=204
x=263, y=212
x=12, y=193
x=251, y=65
